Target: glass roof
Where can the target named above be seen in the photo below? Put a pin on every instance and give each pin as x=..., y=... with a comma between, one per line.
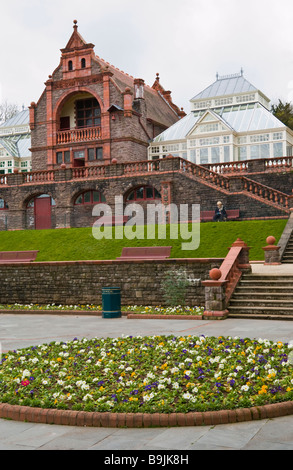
x=22, y=118
x=232, y=85
x=240, y=118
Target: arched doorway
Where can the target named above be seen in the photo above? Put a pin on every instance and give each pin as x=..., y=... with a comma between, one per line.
x=40, y=210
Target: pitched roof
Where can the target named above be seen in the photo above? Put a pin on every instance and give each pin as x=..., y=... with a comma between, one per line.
x=17, y=146
x=160, y=108
x=223, y=86
x=241, y=118
x=20, y=119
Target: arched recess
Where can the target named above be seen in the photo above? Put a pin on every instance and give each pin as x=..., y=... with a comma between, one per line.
x=142, y=193
x=83, y=204
x=67, y=100
x=40, y=212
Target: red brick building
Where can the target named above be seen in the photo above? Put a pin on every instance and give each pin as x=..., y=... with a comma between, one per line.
x=91, y=112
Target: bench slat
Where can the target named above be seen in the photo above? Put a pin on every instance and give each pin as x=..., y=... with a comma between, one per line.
x=148, y=252
x=17, y=256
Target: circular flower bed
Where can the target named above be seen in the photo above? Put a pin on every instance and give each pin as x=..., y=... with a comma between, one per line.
x=148, y=374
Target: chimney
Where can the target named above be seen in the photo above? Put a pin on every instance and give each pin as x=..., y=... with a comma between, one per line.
x=32, y=109
x=138, y=88
x=127, y=94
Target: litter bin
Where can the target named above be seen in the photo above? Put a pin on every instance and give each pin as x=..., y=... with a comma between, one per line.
x=111, y=302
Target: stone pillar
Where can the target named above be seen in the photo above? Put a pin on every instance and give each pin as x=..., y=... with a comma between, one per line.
x=215, y=296
x=170, y=163
x=272, y=252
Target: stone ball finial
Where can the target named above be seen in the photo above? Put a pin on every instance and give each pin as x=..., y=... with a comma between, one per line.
x=271, y=240
x=75, y=21
x=114, y=160
x=215, y=274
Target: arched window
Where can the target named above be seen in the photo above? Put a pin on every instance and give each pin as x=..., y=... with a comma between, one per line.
x=83, y=63
x=143, y=193
x=3, y=205
x=88, y=113
x=70, y=65
x=89, y=197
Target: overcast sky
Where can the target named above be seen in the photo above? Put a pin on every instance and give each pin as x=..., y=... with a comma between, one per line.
x=186, y=41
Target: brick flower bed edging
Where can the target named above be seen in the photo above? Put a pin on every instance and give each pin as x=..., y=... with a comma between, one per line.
x=163, y=317
x=143, y=420
x=99, y=313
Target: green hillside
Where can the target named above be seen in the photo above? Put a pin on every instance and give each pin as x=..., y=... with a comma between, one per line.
x=80, y=244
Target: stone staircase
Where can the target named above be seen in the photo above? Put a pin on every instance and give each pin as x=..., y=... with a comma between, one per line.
x=288, y=252
x=263, y=296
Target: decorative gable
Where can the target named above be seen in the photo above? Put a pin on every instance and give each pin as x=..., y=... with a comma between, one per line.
x=209, y=123
x=77, y=56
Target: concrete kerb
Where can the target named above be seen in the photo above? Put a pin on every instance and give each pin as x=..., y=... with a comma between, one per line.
x=143, y=420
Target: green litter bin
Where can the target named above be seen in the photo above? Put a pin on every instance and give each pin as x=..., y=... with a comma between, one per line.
x=111, y=302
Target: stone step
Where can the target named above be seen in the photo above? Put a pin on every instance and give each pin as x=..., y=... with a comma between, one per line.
x=260, y=289
x=239, y=295
x=267, y=283
x=261, y=316
x=262, y=311
x=250, y=302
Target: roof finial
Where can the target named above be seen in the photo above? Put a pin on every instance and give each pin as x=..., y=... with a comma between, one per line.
x=75, y=24
x=217, y=76
x=157, y=76
x=241, y=72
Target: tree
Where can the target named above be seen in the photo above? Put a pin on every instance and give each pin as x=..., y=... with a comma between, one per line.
x=284, y=112
x=8, y=110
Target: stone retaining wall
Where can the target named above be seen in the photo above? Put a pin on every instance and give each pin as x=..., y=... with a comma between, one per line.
x=81, y=282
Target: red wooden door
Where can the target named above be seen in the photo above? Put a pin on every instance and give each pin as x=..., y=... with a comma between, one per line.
x=43, y=213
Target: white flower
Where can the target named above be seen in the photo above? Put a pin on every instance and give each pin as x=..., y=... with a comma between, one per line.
x=187, y=396
x=245, y=388
x=175, y=385
x=26, y=373
x=87, y=397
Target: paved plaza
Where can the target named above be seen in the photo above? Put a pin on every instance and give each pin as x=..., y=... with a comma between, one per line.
x=18, y=331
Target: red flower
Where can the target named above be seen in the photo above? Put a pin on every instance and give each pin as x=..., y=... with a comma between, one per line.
x=25, y=382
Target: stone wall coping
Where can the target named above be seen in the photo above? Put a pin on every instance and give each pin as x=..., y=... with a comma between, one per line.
x=117, y=261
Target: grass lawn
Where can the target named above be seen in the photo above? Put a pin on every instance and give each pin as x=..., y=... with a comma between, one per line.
x=80, y=244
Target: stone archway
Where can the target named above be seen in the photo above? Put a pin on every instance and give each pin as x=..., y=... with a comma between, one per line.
x=40, y=212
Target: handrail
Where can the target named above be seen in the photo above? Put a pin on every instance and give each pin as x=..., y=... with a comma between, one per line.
x=79, y=135
x=204, y=173
x=230, y=271
x=265, y=192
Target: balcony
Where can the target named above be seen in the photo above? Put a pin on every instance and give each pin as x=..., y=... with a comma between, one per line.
x=85, y=134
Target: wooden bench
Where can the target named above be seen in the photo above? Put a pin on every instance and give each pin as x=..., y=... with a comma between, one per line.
x=207, y=216
x=18, y=256
x=146, y=252
x=112, y=220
